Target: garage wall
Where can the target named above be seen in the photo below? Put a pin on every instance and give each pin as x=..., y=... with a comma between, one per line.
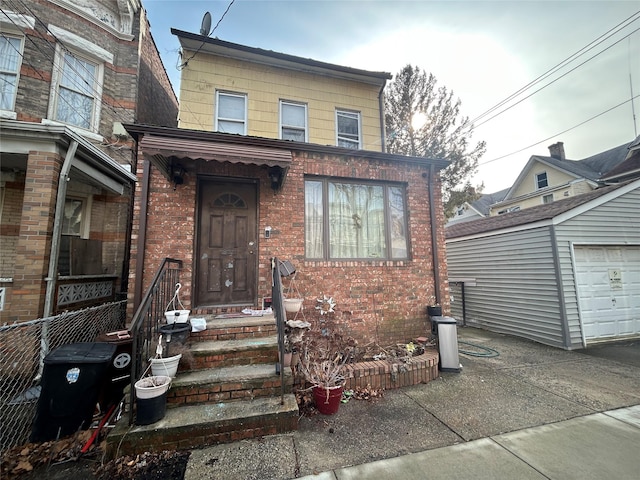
x=516, y=290
x=615, y=222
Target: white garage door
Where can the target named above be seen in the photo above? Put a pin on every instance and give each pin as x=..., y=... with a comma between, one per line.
x=608, y=281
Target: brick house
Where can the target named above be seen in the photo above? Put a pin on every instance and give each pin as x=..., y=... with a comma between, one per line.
x=73, y=73
x=278, y=155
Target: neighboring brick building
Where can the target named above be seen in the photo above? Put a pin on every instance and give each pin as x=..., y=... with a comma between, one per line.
x=360, y=225
x=74, y=72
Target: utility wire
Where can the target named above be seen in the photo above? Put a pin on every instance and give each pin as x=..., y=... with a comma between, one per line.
x=564, y=62
x=559, y=133
x=473, y=127
x=186, y=62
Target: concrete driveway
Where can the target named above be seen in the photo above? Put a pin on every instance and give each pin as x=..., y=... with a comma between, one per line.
x=515, y=405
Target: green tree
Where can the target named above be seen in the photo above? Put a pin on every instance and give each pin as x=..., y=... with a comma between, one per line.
x=424, y=120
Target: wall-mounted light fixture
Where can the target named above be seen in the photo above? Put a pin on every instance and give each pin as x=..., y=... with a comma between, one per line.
x=276, y=176
x=177, y=175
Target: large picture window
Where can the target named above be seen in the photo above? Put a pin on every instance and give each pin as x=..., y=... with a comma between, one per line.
x=355, y=220
x=231, y=113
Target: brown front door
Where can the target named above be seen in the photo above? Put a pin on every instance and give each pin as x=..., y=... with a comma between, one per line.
x=227, y=244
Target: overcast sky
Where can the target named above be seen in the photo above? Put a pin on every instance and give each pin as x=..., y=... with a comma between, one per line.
x=482, y=50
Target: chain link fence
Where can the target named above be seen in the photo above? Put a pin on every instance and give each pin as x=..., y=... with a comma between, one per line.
x=23, y=347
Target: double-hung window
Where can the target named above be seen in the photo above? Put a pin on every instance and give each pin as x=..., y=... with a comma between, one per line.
x=541, y=180
x=76, y=82
x=10, y=60
x=293, y=121
x=348, y=129
x=231, y=113
x=355, y=220
x=76, y=102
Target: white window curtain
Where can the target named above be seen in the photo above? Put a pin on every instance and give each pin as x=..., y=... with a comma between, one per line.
x=9, y=61
x=314, y=220
x=76, y=100
x=398, y=223
x=356, y=221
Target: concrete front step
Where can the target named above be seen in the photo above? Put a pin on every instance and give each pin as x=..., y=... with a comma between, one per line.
x=236, y=328
x=227, y=384
x=195, y=426
x=227, y=353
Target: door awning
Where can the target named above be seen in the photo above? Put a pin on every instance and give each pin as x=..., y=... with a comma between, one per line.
x=163, y=148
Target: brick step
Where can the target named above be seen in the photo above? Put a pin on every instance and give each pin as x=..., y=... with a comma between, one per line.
x=228, y=353
x=235, y=328
x=195, y=426
x=227, y=384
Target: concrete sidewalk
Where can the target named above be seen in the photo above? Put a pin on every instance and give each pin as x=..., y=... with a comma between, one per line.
x=532, y=412
x=603, y=445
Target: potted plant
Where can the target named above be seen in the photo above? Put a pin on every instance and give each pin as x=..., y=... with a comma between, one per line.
x=323, y=355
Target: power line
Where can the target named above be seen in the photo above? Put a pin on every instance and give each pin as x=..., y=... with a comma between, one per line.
x=566, y=61
x=473, y=127
x=559, y=133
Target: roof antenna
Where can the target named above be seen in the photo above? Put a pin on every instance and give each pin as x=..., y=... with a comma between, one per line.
x=205, y=28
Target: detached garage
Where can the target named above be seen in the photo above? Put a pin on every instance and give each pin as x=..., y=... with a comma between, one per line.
x=565, y=274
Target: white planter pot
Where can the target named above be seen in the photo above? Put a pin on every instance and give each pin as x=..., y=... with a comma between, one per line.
x=292, y=305
x=152, y=387
x=177, y=316
x=165, y=366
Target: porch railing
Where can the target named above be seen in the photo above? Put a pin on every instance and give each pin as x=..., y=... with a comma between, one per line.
x=145, y=324
x=278, y=310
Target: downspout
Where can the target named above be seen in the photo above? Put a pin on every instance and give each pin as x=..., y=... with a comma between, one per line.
x=434, y=238
x=142, y=233
x=383, y=130
x=57, y=230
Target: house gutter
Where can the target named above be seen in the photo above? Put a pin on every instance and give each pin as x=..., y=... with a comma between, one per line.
x=434, y=239
x=142, y=232
x=57, y=230
x=383, y=130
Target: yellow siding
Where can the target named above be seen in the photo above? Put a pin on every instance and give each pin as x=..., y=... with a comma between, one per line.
x=265, y=86
x=554, y=177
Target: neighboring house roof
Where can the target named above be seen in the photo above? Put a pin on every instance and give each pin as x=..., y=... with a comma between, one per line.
x=533, y=214
x=591, y=168
x=195, y=42
x=483, y=204
x=629, y=168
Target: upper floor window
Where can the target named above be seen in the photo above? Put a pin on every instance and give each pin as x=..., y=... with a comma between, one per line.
x=348, y=129
x=541, y=180
x=10, y=60
x=547, y=198
x=231, y=113
x=355, y=220
x=293, y=121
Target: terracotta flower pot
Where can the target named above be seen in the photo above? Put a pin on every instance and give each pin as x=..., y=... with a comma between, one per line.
x=327, y=399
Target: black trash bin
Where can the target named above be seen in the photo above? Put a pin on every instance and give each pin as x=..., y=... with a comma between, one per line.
x=119, y=374
x=72, y=379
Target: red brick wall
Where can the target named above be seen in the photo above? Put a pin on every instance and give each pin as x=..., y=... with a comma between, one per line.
x=378, y=301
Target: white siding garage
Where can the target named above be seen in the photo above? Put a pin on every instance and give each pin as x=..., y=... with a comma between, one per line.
x=565, y=274
x=608, y=285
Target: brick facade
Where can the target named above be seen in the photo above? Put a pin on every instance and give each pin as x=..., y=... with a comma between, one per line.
x=378, y=301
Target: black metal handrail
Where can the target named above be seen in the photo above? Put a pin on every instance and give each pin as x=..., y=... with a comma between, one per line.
x=146, y=321
x=277, y=305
